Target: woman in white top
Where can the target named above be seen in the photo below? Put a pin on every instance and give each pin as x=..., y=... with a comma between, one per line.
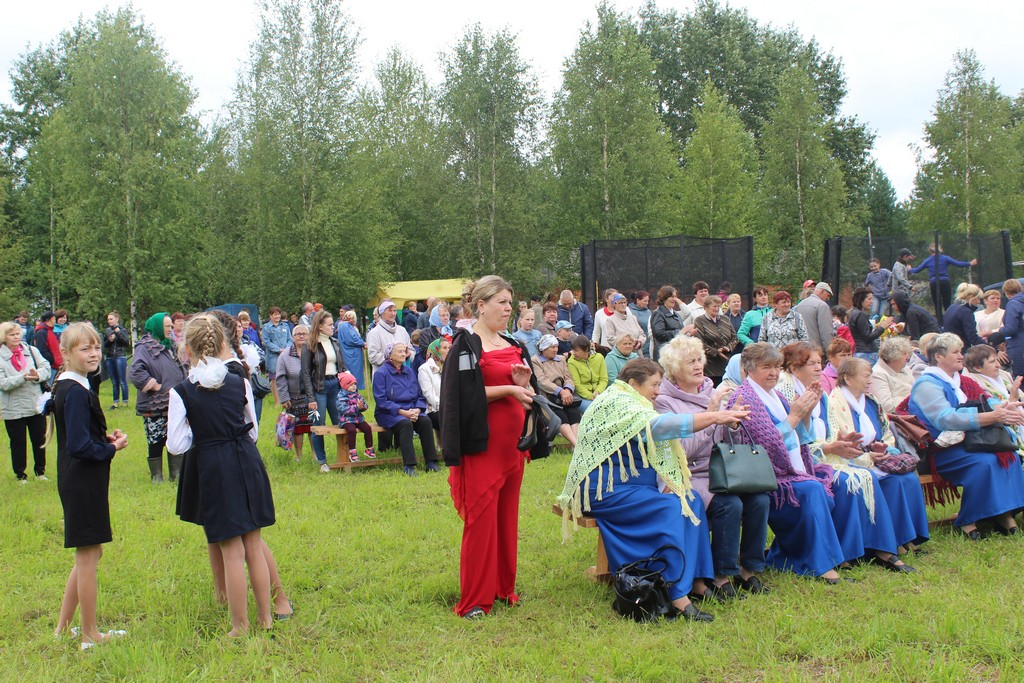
x=891, y=377
x=990, y=319
x=429, y=376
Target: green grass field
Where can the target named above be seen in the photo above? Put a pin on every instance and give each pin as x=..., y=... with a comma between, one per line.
x=370, y=560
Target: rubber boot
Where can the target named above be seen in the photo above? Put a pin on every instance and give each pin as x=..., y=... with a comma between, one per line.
x=156, y=470
x=174, y=466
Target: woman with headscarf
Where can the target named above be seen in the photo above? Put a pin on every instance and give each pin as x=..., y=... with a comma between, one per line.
x=429, y=376
x=352, y=347
x=154, y=371
x=625, y=450
x=438, y=327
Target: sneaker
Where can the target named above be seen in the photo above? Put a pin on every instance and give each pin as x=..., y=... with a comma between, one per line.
x=370, y=453
x=23, y=481
x=409, y=470
x=433, y=467
x=353, y=455
x=42, y=477
x=325, y=468
x=113, y=407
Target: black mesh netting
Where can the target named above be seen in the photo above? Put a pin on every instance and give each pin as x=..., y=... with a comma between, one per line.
x=845, y=261
x=649, y=264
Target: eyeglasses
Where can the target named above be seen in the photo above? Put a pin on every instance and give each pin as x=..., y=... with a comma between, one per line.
x=301, y=334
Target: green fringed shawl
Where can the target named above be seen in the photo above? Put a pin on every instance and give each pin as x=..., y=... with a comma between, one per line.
x=611, y=421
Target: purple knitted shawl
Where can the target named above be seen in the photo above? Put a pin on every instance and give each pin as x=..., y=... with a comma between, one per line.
x=763, y=431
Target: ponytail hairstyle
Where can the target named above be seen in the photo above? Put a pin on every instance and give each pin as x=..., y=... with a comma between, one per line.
x=230, y=325
x=204, y=337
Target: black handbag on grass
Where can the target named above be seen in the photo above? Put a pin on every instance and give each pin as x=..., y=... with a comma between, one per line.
x=740, y=468
x=641, y=590
x=991, y=439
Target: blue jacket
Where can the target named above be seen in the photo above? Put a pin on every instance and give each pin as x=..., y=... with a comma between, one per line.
x=1013, y=330
x=276, y=338
x=394, y=389
x=578, y=315
x=943, y=265
x=959, y=319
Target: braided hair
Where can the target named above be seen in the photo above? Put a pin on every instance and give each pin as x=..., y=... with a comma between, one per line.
x=204, y=337
x=229, y=323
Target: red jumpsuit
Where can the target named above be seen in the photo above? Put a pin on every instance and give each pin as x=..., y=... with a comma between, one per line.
x=485, y=490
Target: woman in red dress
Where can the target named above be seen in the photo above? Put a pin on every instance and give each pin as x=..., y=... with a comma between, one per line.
x=485, y=390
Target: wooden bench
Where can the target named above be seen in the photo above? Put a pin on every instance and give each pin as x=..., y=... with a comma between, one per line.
x=343, y=461
x=597, y=573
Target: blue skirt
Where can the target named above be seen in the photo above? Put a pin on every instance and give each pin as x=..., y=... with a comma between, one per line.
x=636, y=519
x=988, y=489
x=857, y=534
x=905, y=500
x=805, y=537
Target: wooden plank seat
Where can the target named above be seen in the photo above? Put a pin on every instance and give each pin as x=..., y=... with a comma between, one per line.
x=598, y=573
x=343, y=462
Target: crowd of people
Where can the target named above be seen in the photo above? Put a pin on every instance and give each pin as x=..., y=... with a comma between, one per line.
x=644, y=389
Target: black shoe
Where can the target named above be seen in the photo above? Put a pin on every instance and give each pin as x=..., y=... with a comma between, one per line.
x=691, y=613
x=752, y=585
x=432, y=466
x=475, y=613
x=1003, y=531
x=723, y=593
x=892, y=566
x=410, y=471
x=974, y=535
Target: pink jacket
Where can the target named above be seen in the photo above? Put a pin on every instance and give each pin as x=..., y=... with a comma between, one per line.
x=698, y=447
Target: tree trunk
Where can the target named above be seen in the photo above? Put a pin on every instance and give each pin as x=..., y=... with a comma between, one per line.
x=800, y=204
x=494, y=193
x=607, y=208
x=967, y=176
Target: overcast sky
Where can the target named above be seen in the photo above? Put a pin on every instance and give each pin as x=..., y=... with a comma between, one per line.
x=895, y=52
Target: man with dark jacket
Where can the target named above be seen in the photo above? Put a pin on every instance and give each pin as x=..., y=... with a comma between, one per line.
x=47, y=343
x=917, y=320
x=575, y=313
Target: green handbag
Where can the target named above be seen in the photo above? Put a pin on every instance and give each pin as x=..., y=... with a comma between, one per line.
x=740, y=468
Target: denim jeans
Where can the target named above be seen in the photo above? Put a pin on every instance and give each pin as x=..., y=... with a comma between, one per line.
x=117, y=371
x=726, y=514
x=584, y=404
x=326, y=404
x=879, y=307
x=869, y=357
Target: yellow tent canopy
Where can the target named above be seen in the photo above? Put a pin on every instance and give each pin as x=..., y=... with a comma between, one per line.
x=401, y=292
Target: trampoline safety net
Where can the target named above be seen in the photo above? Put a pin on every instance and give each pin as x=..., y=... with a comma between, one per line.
x=845, y=261
x=680, y=260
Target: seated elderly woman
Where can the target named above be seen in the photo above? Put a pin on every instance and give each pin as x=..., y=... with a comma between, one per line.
x=838, y=351
x=993, y=483
x=622, y=352
x=891, y=378
x=859, y=515
x=853, y=410
x=800, y=515
x=614, y=476
x=555, y=381
x=402, y=408
x=983, y=366
x=686, y=390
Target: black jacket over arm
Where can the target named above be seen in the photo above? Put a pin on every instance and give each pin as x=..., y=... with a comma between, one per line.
x=463, y=399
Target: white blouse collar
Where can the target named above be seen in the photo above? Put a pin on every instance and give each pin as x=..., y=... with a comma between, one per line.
x=81, y=379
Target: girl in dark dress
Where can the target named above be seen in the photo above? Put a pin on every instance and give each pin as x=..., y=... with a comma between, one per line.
x=84, y=452
x=212, y=414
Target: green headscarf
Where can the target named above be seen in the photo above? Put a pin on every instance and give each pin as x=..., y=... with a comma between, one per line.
x=434, y=350
x=155, y=326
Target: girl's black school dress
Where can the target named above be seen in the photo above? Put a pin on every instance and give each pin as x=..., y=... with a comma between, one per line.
x=224, y=486
x=83, y=462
